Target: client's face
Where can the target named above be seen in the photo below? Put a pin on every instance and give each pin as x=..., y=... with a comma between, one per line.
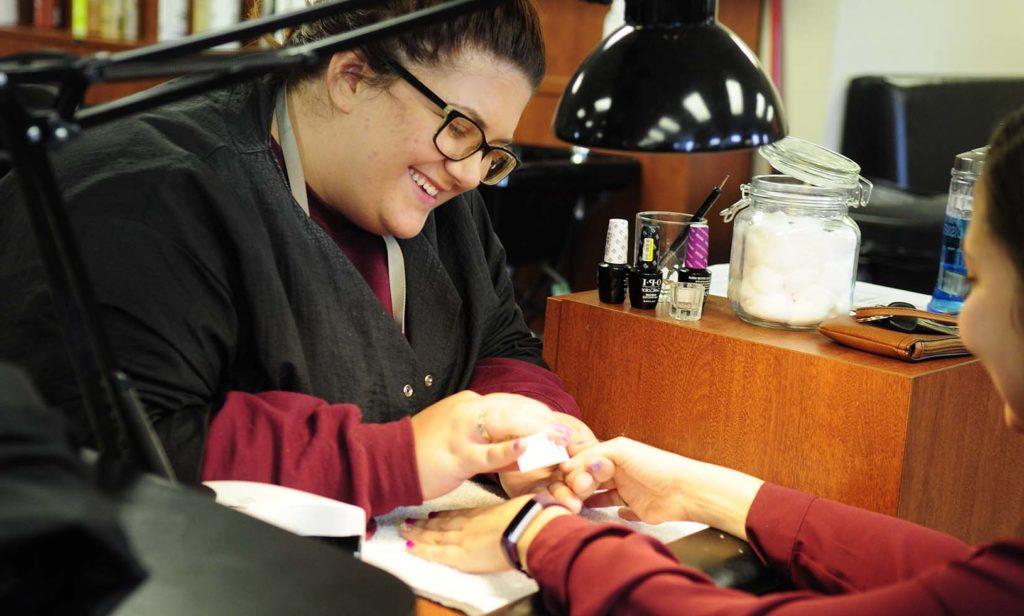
x=992, y=320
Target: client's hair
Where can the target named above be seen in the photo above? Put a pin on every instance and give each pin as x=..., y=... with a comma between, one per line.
x=1004, y=181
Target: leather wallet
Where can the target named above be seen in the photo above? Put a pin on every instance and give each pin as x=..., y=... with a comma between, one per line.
x=872, y=330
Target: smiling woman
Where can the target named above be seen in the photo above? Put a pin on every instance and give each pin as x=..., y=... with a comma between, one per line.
x=299, y=276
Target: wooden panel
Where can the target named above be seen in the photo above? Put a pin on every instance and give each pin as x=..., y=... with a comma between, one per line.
x=551, y=325
x=792, y=408
x=962, y=466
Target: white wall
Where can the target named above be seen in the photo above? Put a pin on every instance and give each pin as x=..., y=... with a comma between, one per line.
x=826, y=42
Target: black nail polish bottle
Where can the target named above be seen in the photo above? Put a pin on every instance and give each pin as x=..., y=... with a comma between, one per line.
x=612, y=272
x=645, y=277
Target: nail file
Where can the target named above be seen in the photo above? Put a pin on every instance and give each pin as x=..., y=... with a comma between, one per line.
x=541, y=452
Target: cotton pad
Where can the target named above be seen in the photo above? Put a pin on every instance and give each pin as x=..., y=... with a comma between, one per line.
x=541, y=452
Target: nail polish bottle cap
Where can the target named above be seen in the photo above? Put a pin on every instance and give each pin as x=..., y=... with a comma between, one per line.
x=697, y=247
x=616, y=241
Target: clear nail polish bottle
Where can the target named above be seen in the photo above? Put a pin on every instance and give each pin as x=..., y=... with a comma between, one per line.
x=687, y=301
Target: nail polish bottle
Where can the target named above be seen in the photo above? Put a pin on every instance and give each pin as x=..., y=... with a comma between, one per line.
x=696, y=263
x=687, y=301
x=612, y=272
x=644, y=278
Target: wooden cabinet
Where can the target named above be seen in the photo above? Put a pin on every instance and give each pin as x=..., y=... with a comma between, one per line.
x=921, y=441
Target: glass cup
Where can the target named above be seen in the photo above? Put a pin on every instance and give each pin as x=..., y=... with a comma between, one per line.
x=669, y=225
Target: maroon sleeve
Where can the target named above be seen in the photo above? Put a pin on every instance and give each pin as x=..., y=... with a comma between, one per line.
x=833, y=548
x=586, y=569
x=515, y=376
x=302, y=442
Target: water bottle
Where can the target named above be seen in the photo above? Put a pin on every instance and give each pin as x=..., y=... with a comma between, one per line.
x=952, y=286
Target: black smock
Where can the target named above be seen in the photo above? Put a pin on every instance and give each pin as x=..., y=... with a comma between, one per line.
x=212, y=279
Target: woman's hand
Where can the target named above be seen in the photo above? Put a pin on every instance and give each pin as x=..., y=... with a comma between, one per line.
x=657, y=486
x=470, y=539
x=548, y=480
x=467, y=434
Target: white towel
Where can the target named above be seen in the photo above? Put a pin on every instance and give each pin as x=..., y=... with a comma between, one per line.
x=474, y=593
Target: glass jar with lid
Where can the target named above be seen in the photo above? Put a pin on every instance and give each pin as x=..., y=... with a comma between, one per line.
x=794, y=247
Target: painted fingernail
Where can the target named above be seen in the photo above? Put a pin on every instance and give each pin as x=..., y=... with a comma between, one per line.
x=595, y=466
x=432, y=515
x=517, y=446
x=409, y=521
x=409, y=544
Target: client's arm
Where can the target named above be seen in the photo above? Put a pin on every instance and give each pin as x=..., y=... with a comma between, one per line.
x=585, y=569
x=816, y=543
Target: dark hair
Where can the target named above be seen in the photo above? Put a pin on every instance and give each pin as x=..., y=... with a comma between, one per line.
x=509, y=30
x=1004, y=186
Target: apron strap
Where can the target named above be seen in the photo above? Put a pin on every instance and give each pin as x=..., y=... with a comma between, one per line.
x=297, y=182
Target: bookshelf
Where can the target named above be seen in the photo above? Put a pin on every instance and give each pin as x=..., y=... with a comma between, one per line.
x=27, y=37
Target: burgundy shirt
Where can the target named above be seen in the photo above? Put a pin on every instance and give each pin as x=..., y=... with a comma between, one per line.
x=841, y=559
x=303, y=442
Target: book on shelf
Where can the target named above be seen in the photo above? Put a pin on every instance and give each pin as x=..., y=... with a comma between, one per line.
x=48, y=13
x=110, y=19
x=8, y=13
x=95, y=13
x=42, y=13
x=129, y=20
x=215, y=15
x=172, y=19
x=79, y=18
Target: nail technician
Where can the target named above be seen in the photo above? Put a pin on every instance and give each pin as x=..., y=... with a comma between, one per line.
x=298, y=275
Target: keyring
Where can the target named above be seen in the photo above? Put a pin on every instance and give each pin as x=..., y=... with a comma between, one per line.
x=481, y=419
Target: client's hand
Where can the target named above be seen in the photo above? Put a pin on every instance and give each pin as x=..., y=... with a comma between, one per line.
x=516, y=483
x=470, y=539
x=657, y=486
x=467, y=434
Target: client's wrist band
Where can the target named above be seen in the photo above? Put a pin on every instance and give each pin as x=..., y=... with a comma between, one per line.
x=520, y=522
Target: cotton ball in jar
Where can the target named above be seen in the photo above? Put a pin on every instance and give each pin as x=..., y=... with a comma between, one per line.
x=837, y=274
x=806, y=314
x=842, y=306
x=760, y=280
x=773, y=307
x=798, y=245
x=811, y=305
x=796, y=280
x=842, y=243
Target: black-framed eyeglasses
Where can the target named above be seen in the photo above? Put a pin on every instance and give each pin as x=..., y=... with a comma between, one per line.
x=459, y=137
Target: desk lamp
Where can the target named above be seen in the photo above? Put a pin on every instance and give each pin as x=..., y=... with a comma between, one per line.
x=672, y=79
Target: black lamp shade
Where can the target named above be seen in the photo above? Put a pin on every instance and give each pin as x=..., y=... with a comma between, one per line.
x=671, y=80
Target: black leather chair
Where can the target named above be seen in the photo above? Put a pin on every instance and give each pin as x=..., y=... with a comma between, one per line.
x=905, y=132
